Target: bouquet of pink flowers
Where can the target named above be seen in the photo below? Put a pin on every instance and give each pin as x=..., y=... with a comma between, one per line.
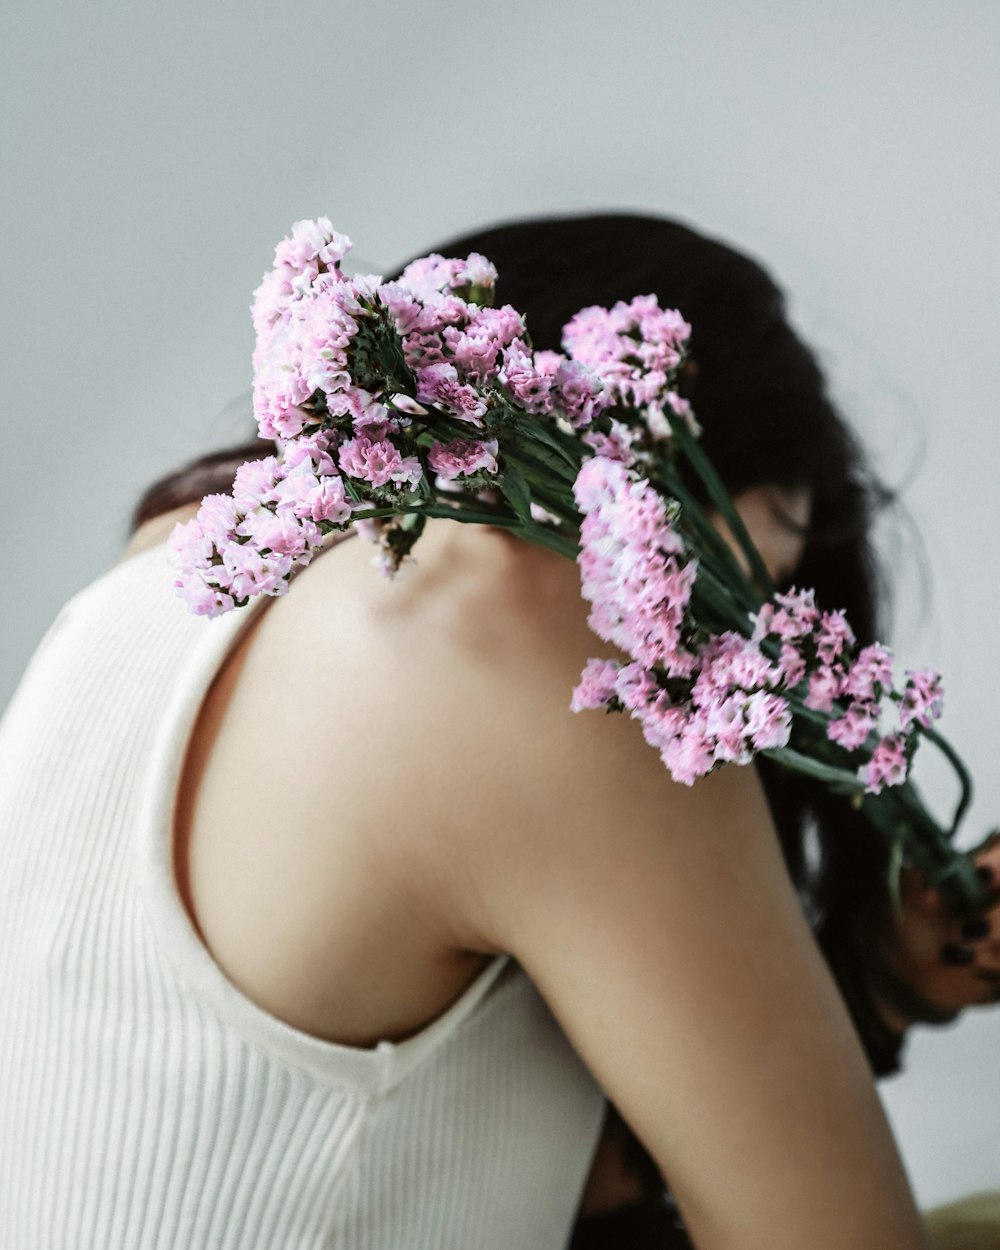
x=390, y=402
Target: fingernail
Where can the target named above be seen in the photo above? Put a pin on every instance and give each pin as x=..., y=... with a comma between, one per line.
x=985, y=873
x=975, y=927
x=952, y=953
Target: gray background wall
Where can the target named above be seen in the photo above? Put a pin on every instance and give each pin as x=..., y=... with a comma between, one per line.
x=156, y=153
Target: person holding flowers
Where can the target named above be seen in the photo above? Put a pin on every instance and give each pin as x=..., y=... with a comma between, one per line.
x=354, y=934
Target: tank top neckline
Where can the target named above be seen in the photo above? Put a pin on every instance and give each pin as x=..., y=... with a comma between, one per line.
x=371, y=1070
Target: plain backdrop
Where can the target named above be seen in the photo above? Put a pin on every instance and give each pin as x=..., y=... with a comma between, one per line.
x=154, y=154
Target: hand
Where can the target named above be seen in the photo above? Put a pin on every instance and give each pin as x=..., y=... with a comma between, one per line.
x=946, y=963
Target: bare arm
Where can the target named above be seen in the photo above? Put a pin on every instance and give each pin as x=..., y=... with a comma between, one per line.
x=512, y=825
x=731, y=1057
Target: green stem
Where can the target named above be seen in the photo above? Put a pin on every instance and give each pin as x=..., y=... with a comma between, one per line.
x=708, y=541
x=723, y=501
x=964, y=777
x=465, y=514
x=838, y=779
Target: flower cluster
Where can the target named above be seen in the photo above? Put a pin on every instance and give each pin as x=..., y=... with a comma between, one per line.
x=460, y=350
x=818, y=653
x=249, y=542
x=378, y=395
x=388, y=401
x=702, y=702
x=305, y=313
x=635, y=349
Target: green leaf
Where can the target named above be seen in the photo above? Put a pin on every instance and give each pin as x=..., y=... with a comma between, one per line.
x=556, y=442
x=515, y=490
x=543, y=537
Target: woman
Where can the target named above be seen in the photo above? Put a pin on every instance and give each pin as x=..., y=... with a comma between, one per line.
x=363, y=799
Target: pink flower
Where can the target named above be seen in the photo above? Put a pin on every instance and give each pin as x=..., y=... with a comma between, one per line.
x=887, y=766
x=312, y=241
x=578, y=393
x=203, y=599
x=443, y=310
x=463, y=456
x=730, y=661
x=832, y=636
x=503, y=325
x=252, y=573
x=726, y=730
x=540, y=514
x=292, y=493
x=793, y=615
x=635, y=686
x=255, y=482
x=852, y=729
x=596, y=685
x=616, y=445
x=870, y=673
x=923, y=698
x=769, y=720
x=826, y=685
x=598, y=483
x=429, y=276
x=439, y=384
x=189, y=546
x=353, y=402
x=661, y=721
x=791, y=665
x=477, y=271
x=403, y=308
x=282, y=533
x=631, y=347
x=423, y=350
x=328, y=501
x=299, y=262
x=378, y=462
x=474, y=354
x=304, y=349
x=527, y=383
x=689, y=755
x=219, y=518
x=632, y=566
x=312, y=449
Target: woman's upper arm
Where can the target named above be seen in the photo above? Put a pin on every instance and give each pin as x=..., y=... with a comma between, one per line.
x=657, y=921
x=659, y=924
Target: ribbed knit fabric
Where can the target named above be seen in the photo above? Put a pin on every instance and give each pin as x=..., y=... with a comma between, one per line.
x=144, y=1102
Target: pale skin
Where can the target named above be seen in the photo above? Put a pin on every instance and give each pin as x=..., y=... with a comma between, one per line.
x=657, y=920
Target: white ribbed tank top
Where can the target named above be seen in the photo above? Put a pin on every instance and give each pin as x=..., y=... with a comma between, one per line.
x=144, y=1101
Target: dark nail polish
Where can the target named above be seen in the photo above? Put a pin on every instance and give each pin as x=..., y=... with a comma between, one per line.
x=985, y=873
x=975, y=927
x=952, y=953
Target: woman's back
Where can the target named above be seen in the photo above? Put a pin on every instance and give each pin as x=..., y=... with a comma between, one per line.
x=146, y=1100
x=304, y=796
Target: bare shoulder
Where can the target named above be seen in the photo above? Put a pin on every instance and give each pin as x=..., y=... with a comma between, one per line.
x=480, y=567
x=334, y=751
x=451, y=685
x=472, y=621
